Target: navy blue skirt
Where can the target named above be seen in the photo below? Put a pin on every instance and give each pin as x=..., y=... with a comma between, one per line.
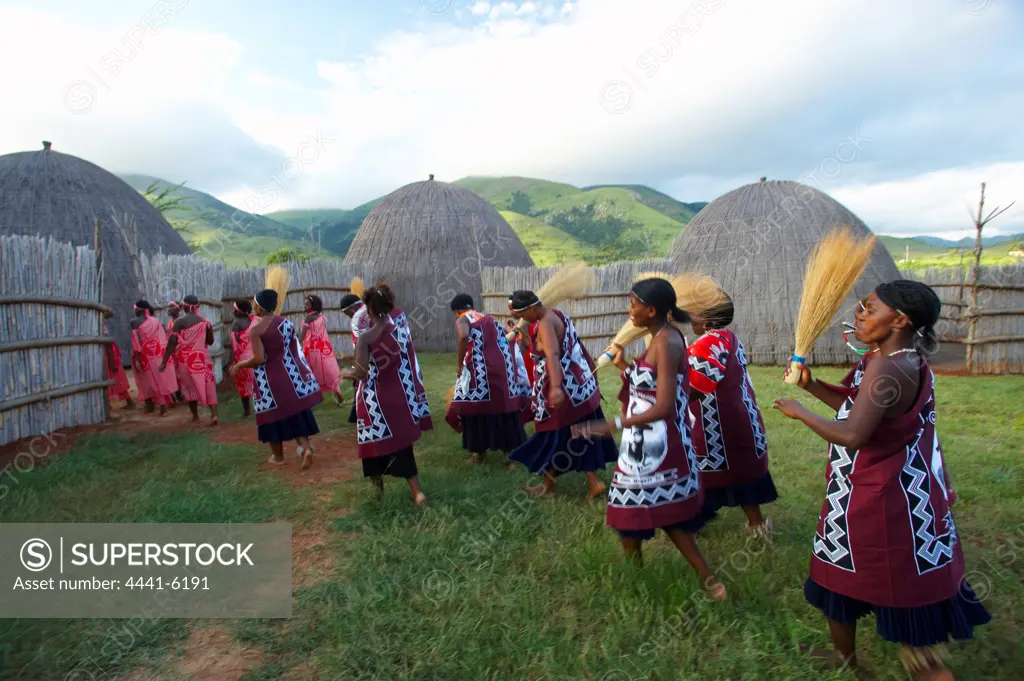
x=302, y=424
x=755, y=493
x=503, y=432
x=928, y=625
x=352, y=414
x=400, y=464
x=691, y=525
x=558, y=452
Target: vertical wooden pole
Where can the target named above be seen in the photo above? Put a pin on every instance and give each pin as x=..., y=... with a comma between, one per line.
x=97, y=244
x=975, y=275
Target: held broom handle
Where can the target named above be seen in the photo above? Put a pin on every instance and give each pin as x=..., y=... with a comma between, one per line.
x=793, y=377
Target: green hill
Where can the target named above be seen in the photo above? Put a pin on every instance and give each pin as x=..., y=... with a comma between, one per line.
x=613, y=221
x=209, y=212
x=652, y=198
x=549, y=246
x=337, y=227
x=235, y=249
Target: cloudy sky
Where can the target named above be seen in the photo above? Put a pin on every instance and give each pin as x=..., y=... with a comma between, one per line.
x=898, y=109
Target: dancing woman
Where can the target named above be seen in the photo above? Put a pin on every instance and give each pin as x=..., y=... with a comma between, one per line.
x=149, y=342
x=728, y=430
x=316, y=345
x=565, y=393
x=656, y=484
x=386, y=425
x=886, y=540
x=191, y=336
x=286, y=389
x=241, y=350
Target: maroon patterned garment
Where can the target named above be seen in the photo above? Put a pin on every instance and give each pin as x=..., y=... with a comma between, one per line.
x=285, y=385
x=385, y=422
x=490, y=382
x=728, y=431
x=886, y=533
x=582, y=397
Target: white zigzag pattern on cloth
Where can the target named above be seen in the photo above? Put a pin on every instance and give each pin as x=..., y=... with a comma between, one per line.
x=266, y=399
x=378, y=428
x=302, y=388
x=642, y=379
x=930, y=551
x=577, y=392
x=540, y=400
x=715, y=459
x=620, y=496
x=683, y=425
x=705, y=367
x=834, y=547
x=482, y=392
x=515, y=388
x=747, y=389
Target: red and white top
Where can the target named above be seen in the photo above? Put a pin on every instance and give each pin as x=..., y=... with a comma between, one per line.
x=316, y=345
x=198, y=384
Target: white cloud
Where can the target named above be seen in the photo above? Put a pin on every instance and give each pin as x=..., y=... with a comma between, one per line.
x=610, y=91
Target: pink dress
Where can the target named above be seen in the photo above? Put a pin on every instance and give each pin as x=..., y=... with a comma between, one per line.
x=120, y=390
x=197, y=373
x=241, y=346
x=150, y=341
x=316, y=345
x=177, y=360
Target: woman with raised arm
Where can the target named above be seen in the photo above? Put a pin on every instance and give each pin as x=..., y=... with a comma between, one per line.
x=565, y=393
x=656, y=484
x=286, y=389
x=886, y=540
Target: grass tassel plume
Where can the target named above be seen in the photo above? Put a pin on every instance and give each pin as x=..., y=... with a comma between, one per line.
x=570, y=282
x=833, y=269
x=629, y=333
x=357, y=286
x=277, y=279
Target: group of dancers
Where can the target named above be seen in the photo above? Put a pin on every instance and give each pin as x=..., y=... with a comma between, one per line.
x=692, y=442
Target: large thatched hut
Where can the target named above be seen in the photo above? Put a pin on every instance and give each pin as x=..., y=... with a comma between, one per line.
x=756, y=240
x=430, y=240
x=48, y=193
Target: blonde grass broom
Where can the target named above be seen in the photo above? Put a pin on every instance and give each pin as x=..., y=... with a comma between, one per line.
x=277, y=279
x=833, y=269
x=357, y=287
x=569, y=283
x=629, y=332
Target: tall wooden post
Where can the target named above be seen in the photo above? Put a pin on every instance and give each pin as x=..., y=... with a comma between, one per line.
x=972, y=309
x=97, y=244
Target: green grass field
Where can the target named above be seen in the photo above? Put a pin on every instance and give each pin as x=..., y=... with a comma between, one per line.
x=485, y=584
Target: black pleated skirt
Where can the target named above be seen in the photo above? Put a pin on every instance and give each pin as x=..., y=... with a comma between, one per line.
x=928, y=625
x=400, y=464
x=557, y=451
x=302, y=424
x=756, y=493
x=692, y=525
x=502, y=432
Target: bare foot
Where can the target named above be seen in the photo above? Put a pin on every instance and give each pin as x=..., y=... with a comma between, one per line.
x=475, y=458
x=163, y=410
x=510, y=466
x=716, y=592
x=541, y=491
x=596, y=490
x=941, y=674
x=246, y=415
x=129, y=405
x=213, y=422
x=762, y=531
x=195, y=419
x=307, y=458
x=420, y=500
x=833, y=659
x=276, y=461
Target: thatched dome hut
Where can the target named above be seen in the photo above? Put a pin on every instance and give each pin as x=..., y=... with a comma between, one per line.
x=756, y=240
x=430, y=240
x=48, y=193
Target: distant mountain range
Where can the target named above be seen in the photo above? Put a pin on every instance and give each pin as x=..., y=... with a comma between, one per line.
x=555, y=221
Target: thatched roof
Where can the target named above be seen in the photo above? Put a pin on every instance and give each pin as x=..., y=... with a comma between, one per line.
x=431, y=225
x=755, y=240
x=48, y=193
x=430, y=240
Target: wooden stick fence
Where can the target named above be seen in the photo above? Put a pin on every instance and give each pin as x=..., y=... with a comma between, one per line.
x=991, y=329
x=172, y=277
x=598, y=315
x=52, y=346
